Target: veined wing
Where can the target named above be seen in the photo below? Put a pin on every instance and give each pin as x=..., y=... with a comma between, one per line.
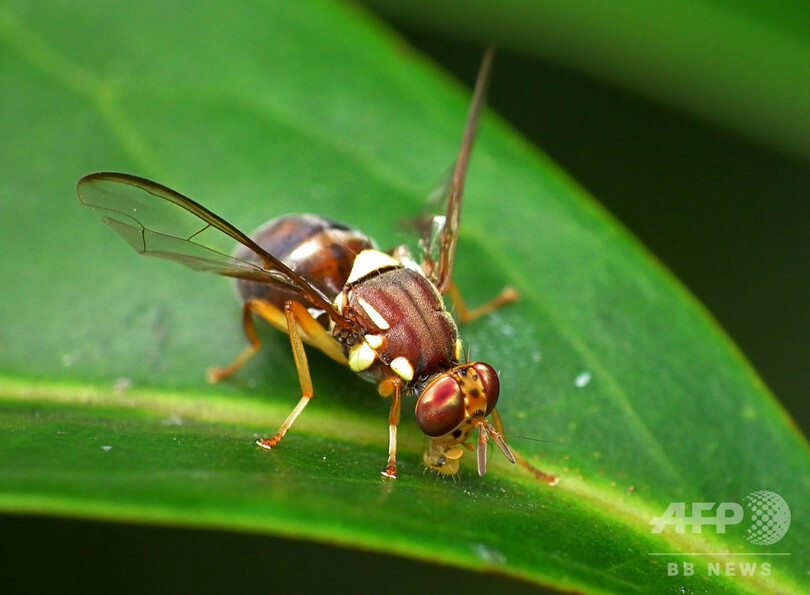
x=157, y=221
x=440, y=233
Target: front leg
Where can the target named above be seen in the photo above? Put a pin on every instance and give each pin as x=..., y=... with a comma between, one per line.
x=391, y=387
x=549, y=478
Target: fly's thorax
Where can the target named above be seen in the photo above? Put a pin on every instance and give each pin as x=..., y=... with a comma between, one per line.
x=407, y=333
x=319, y=249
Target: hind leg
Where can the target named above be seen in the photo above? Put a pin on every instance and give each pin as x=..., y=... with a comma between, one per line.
x=507, y=296
x=313, y=333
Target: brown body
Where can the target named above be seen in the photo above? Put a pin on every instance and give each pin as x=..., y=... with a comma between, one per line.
x=396, y=332
x=319, y=249
x=409, y=314
x=327, y=285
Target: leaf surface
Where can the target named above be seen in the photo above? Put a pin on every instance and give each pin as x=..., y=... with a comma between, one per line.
x=612, y=375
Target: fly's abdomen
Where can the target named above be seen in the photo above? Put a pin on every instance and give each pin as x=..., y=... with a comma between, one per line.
x=322, y=251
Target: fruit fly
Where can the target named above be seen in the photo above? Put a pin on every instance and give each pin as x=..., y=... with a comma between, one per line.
x=328, y=285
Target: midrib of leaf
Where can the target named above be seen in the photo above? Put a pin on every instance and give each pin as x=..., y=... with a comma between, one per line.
x=233, y=410
x=595, y=497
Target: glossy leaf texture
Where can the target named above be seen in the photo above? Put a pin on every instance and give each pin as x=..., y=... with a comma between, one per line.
x=611, y=374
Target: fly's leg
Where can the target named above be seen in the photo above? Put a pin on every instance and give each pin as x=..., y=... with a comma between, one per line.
x=391, y=387
x=250, y=306
x=507, y=296
x=549, y=478
x=313, y=333
x=296, y=315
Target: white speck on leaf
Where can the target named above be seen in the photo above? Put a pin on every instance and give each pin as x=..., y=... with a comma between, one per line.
x=122, y=385
x=582, y=380
x=319, y=191
x=507, y=330
x=488, y=555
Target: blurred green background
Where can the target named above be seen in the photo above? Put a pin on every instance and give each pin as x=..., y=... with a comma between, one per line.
x=722, y=203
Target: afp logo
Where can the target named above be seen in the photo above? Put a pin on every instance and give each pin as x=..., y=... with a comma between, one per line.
x=767, y=521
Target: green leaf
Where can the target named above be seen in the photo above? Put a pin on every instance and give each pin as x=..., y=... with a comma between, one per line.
x=622, y=384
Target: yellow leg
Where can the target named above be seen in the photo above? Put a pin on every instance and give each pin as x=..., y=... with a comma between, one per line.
x=507, y=296
x=217, y=374
x=393, y=420
x=550, y=479
x=313, y=333
x=296, y=315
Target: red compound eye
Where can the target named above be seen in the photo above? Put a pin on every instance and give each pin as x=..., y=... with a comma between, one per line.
x=492, y=386
x=440, y=408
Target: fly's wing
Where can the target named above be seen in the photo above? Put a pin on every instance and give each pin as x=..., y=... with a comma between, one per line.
x=440, y=233
x=429, y=224
x=160, y=222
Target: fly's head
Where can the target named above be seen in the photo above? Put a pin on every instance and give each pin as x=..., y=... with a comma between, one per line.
x=454, y=405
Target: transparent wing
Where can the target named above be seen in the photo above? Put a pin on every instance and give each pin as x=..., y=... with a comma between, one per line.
x=157, y=221
x=429, y=223
x=440, y=232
